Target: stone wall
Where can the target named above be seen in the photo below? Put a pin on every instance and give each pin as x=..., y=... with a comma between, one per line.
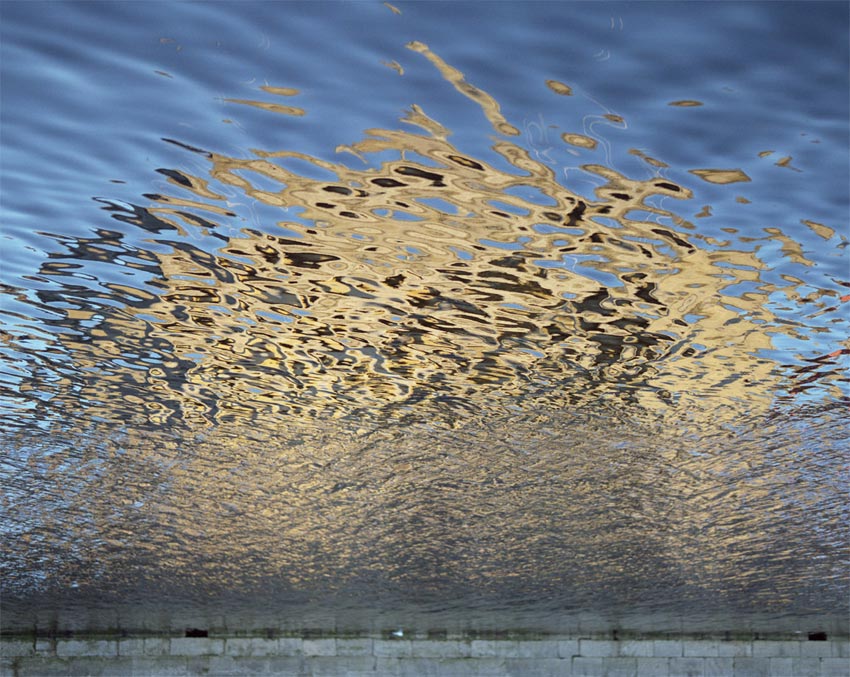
x=386, y=655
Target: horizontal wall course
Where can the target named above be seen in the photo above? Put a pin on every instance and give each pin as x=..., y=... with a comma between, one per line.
x=92, y=647
x=653, y=667
x=45, y=647
x=440, y=667
x=751, y=667
x=687, y=667
x=567, y=648
x=17, y=647
x=42, y=666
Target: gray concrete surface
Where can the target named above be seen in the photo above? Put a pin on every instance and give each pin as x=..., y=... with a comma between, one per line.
x=316, y=656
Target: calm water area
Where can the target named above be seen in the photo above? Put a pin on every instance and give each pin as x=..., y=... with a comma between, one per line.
x=463, y=315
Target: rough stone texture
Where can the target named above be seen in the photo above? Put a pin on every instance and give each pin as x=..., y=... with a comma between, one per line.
x=361, y=656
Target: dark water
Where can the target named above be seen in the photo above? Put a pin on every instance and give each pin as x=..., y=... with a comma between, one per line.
x=447, y=315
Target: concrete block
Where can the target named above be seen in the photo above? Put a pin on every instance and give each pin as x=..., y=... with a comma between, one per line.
x=392, y=648
x=493, y=648
x=441, y=649
x=538, y=667
x=567, y=648
x=161, y=666
x=840, y=649
x=775, y=649
x=157, y=646
x=356, y=646
x=687, y=667
x=17, y=647
x=750, y=667
x=236, y=665
x=636, y=648
x=805, y=667
x=439, y=667
x=334, y=666
x=584, y=666
x=667, y=648
x=43, y=666
x=285, y=665
x=619, y=667
x=834, y=667
x=45, y=647
x=196, y=646
x=94, y=647
x=718, y=667
x=703, y=648
x=251, y=646
x=654, y=667
x=319, y=647
x=290, y=646
x=131, y=647
x=736, y=648
x=816, y=649
x=782, y=666
x=597, y=647
x=547, y=648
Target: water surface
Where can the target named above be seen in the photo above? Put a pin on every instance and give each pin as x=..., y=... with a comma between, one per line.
x=472, y=315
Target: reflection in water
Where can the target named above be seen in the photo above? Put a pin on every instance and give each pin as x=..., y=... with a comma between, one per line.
x=416, y=373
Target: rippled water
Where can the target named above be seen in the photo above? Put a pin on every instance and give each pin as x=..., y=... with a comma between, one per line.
x=478, y=315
